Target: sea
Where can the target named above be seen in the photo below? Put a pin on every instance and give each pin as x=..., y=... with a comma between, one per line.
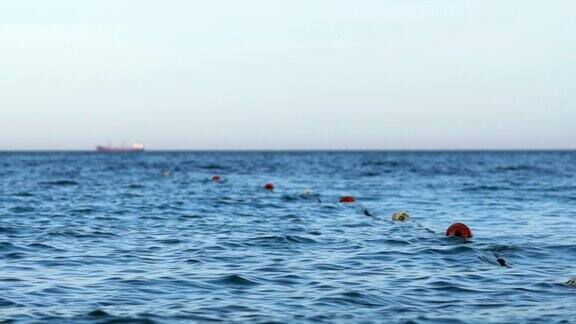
x=149, y=237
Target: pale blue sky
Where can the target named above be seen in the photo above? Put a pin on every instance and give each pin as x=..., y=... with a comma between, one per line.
x=313, y=74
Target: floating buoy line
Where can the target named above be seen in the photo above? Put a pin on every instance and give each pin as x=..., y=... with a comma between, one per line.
x=456, y=230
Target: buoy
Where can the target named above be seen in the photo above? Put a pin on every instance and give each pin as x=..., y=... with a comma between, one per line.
x=571, y=282
x=216, y=178
x=269, y=186
x=460, y=230
x=309, y=193
x=347, y=199
x=400, y=216
x=502, y=262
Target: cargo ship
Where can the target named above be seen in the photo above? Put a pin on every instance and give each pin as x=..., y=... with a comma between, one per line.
x=136, y=147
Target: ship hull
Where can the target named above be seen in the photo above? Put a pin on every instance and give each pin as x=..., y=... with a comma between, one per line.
x=107, y=149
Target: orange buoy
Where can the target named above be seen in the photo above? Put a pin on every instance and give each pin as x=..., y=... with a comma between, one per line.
x=216, y=178
x=347, y=199
x=460, y=230
x=269, y=186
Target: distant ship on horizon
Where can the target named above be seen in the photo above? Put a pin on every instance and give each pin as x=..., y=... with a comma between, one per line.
x=136, y=147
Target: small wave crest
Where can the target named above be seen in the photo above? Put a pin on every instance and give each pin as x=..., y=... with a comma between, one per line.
x=281, y=239
x=235, y=280
x=59, y=183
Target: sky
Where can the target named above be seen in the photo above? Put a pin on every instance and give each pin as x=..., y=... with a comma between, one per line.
x=298, y=74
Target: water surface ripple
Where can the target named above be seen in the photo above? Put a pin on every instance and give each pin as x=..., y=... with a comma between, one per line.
x=88, y=237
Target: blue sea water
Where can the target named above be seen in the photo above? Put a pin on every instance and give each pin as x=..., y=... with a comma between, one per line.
x=87, y=237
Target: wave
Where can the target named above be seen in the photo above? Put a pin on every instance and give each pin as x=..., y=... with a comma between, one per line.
x=521, y=168
x=483, y=188
x=352, y=297
x=23, y=194
x=281, y=239
x=22, y=209
x=235, y=280
x=59, y=183
x=212, y=166
x=391, y=164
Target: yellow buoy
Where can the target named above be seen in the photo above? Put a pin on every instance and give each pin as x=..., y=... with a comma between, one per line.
x=400, y=216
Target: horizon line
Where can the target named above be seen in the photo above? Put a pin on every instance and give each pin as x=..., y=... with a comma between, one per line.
x=295, y=150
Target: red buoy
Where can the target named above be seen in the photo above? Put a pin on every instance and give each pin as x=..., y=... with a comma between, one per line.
x=216, y=178
x=347, y=199
x=460, y=230
x=269, y=186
